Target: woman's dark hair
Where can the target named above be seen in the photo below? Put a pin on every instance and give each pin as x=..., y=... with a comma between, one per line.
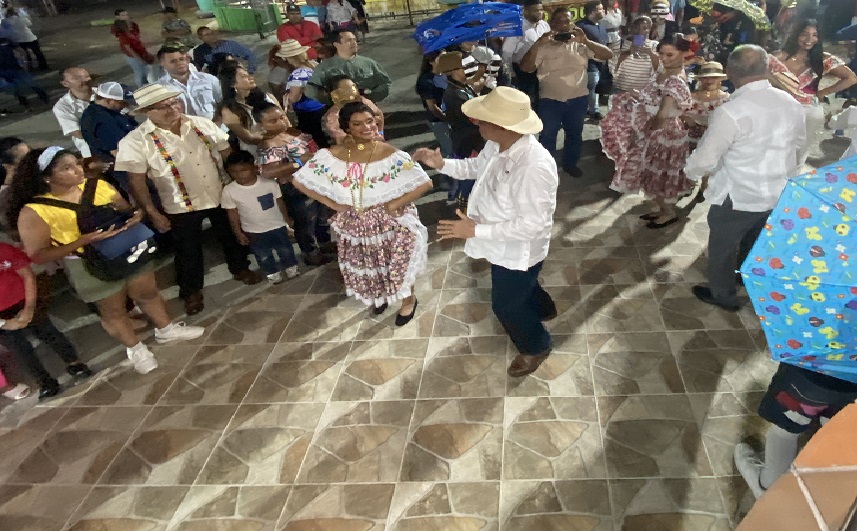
x=350, y=109
x=815, y=54
x=426, y=66
x=238, y=157
x=226, y=75
x=6, y=157
x=29, y=181
x=120, y=26
x=262, y=108
x=334, y=81
x=676, y=40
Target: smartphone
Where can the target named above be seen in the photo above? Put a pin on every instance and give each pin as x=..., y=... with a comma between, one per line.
x=638, y=40
x=562, y=37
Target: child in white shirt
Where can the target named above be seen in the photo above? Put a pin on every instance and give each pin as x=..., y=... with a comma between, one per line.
x=258, y=216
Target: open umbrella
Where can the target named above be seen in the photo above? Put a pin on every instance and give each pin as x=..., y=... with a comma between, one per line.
x=469, y=22
x=802, y=272
x=755, y=13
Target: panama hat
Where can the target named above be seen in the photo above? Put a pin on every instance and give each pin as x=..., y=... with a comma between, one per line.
x=290, y=48
x=711, y=69
x=151, y=94
x=660, y=7
x=507, y=107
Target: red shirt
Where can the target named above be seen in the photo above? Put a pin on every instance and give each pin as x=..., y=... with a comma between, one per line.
x=11, y=284
x=306, y=33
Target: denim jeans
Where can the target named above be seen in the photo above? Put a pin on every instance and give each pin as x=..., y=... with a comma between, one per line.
x=18, y=342
x=594, y=78
x=18, y=80
x=142, y=72
x=520, y=304
x=441, y=134
x=265, y=244
x=310, y=217
x=566, y=115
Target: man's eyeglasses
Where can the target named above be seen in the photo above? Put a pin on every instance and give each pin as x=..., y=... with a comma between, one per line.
x=165, y=106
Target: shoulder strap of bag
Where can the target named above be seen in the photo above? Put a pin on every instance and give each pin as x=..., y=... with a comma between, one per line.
x=58, y=203
x=87, y=200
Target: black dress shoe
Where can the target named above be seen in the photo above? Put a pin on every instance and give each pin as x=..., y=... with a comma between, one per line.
x=80, y=371
x=704, y=294
x=378, y=310
x=49, y=390
x=402, y=320
x=654, y=225
x=574, y=172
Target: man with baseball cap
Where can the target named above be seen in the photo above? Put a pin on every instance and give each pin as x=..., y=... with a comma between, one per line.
x=183, y=156
x=305, y=32
x=509, y=216
x=105, y=122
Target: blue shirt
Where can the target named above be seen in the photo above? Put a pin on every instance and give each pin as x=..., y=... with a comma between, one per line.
x=299, y=78
x=103, y=128
x=203, y=55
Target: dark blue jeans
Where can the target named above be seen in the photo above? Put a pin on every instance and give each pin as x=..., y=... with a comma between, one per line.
x=310, y=219
x=520, y=304
x=568, y=116
x=265, y=244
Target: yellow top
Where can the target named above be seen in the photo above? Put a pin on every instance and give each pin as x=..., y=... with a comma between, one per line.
x=62, y=221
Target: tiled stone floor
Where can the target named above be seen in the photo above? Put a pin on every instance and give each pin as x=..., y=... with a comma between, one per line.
x=298, y=411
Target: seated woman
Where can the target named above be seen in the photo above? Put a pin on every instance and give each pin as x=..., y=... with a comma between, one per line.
x=280, y=154
x=342, y=91
x=371, y=186
x=51, y=233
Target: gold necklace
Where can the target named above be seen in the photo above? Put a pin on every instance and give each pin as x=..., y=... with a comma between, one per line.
x=361, y=184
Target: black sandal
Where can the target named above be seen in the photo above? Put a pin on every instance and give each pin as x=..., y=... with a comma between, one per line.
x=653, y=225
x=649, y=217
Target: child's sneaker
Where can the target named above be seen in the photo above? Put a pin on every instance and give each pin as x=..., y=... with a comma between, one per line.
x=142, y=358
x=292, y=272
x=750, y=467
x=178, y=332
x=275, y=278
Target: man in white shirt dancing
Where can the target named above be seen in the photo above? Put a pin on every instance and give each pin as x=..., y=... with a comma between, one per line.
x=509, y=216
x=753, y=144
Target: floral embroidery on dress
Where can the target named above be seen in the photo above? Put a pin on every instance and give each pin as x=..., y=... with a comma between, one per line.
x=346, y=181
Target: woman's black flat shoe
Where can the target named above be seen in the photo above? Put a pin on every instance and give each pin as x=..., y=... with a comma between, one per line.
x=402, y=320
x=378, y=310
x=649, y=217
x=667, y=223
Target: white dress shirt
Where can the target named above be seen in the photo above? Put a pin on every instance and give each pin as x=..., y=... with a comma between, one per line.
x=754, y=143
x=199, y=167
x=514, y=48
x=512, y=202
x=18, y=29
x=201, y=94
x=68, y=111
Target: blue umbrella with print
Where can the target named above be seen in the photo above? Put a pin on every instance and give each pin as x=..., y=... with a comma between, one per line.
x=802, y=272
x=469, y=22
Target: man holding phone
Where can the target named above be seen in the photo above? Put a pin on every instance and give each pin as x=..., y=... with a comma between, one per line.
x=560, y=59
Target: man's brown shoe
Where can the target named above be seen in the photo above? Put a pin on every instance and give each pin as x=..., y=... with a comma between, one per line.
x=523, y=364
x=248, y=277
x=194, y=303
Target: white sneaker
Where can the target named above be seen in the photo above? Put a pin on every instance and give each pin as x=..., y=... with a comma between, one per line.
x=750, y=467
x=143, y=359
x=275, y=278
x=178, y=332
x=292, y=272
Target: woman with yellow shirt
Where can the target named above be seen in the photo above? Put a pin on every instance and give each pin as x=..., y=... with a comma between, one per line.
x=51, y=233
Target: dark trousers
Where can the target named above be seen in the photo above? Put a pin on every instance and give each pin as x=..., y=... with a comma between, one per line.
x=732, y=234
x=33, y=46
x=310, y=219
x=310, y=123
x=18, y=342
x=18, y=80
x=187, y=239
x=265, y=244
x=568, y=116
x=527, y=82
x=520, y=304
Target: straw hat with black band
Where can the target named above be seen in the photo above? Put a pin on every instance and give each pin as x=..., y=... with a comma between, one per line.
x=290, y=48
x=711, y=69
x=153, y=94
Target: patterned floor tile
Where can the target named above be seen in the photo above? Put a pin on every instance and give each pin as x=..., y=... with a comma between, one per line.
x=652, y=436
x=552, y=438
x=241, y=508
x=465, y=367
x=79, y=448
x=299, y=372
x=25, y=432
x=438, y=506
x=250, y=327
x=720, y=435
x=622, y=315
x=454, y=440
x=362, y=507
x=563, y=504
x=633, y=363
x=171, y=446
x=566, y=372
x=358, y=442
x=466, y=313
x=683, y=504
x=380, y=327
x=218, y=374
x=382, y=370
x=128, y=508
x=682, y=311
x=38, y=507
x=263, y=445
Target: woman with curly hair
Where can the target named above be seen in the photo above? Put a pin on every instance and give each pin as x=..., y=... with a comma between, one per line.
x=371, y=186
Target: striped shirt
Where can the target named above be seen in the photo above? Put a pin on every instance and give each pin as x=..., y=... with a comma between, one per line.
x=471, y=65
x=634, y=72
